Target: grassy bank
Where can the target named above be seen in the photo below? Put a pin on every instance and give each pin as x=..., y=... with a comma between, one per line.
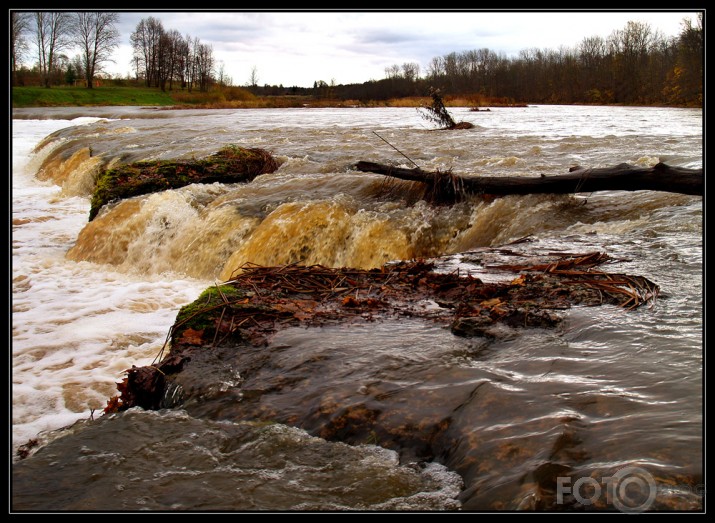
x=80, y=96
x=230, y=97
x=226, y=98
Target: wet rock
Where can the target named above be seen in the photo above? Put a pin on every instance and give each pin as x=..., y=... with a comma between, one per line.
x=227, y=361
x=231, y=164
x=473, y=326
x=260, y=300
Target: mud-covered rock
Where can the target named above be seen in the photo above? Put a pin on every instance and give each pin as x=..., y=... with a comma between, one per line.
x=232, y=164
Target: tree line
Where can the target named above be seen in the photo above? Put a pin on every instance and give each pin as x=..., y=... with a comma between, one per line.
x=161, y=57
x=634, y=65
x=53, y=32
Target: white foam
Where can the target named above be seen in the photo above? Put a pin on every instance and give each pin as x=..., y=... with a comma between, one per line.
x=76, y=326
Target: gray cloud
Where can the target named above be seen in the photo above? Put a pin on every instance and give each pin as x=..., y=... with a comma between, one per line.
x=295, y=48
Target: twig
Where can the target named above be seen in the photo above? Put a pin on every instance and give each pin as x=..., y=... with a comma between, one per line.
x=223, y=296
x=582, y=180
x=218, y=325
x=396, y=149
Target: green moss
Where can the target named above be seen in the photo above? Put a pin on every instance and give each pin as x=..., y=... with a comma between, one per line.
x=204, y=313
x=207, y=301
x=231, y=164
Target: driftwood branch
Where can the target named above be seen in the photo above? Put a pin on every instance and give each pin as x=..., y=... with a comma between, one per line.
x=623, y=177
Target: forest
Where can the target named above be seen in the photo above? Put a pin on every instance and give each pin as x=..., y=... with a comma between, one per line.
x=635, y=65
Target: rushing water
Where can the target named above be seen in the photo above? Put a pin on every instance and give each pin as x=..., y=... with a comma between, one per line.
x=608, y=389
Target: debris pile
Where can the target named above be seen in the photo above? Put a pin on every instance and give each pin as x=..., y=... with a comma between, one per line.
x=258, y=300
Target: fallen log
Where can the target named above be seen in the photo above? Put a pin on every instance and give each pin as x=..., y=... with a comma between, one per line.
x=446, y=186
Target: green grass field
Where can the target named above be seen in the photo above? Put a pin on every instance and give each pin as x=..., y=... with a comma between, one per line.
x=79, y=96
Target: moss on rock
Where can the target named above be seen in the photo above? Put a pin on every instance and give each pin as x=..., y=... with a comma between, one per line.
x=198, y=320
x=247, y=310
x=231, y=164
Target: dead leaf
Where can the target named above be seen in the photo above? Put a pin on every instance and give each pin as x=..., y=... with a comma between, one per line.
x=349, y=301
x=490, y=303
x=114, y=404
x=500, y=311
x=192, y=337
x=520, y=280
x=303, y=316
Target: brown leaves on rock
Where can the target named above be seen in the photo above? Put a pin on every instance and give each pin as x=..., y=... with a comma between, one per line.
x=144, y=386
x=192, y=337
x=115, y=403
x=565, y=261
x=354, y=303
x=268, y=298
x=584, y=285
x=260, y=300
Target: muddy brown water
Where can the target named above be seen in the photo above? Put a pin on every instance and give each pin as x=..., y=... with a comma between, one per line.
x=454, y=423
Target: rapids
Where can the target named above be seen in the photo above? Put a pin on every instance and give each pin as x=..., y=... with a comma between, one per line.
x=609, y=389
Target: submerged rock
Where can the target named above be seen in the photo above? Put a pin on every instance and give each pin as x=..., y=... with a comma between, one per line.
x=473, y=326
x=259, y=301
x=154, y=461
x=299, y=346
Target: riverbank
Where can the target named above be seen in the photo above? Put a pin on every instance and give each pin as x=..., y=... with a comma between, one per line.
x=82, y=97
x=226, y=98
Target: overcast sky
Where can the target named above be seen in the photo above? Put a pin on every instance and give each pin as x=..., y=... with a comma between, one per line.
x=298, y=48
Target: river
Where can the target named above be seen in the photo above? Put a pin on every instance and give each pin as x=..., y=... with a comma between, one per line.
x=608, y=389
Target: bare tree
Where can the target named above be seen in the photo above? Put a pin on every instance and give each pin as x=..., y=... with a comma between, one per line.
x=435, y=69
x=173, y=64
x=221, y=74
x=19, y=26
x=78, y=65
x=204, y=66
x=411, y=71
x=62, y=65
x=183, y=58
x=146, y=42
x=97, y=36
x=164, y=63
x=253, y=79
x=629, y=49
x=392, y=71
x=188, y=50
x=52, y=32
x=685, y=81
x=192, y=69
